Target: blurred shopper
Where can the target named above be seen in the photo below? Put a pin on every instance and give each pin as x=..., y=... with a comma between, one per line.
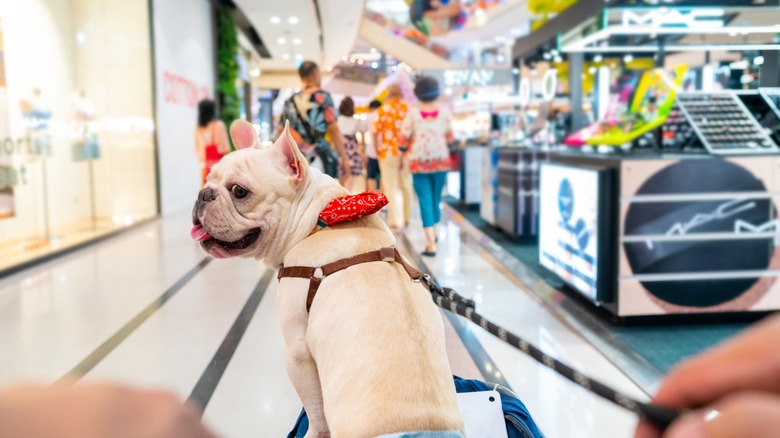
x=371, y=140
x=95, y=411
x=211, y=140
x=312, y=115
x=429, y=127
x=349, y=127
x=732, y=390
x=395, y=175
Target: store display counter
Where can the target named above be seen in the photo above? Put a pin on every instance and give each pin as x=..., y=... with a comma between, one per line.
x=517, y=212
x=651, y=234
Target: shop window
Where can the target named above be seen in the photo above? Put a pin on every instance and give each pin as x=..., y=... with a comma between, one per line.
x=77, y=151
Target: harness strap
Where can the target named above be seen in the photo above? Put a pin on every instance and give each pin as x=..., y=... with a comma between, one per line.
x=316, y=275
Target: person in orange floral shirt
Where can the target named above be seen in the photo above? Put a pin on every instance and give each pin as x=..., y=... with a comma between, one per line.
x=395, y=174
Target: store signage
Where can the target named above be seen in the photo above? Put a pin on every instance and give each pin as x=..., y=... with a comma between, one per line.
x=472, y=77
x=182, y=91
x=701, y=18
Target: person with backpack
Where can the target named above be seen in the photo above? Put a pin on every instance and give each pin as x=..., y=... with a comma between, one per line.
x=312, y=116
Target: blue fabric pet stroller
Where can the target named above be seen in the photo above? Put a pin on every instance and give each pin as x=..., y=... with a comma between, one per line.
x=519, y=423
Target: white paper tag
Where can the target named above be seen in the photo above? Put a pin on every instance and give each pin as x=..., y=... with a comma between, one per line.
x=482, y=414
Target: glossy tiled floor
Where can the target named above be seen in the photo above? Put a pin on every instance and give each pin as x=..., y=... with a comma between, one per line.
x=148, y=308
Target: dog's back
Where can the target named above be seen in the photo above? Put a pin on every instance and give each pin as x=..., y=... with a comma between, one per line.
x=378, y=341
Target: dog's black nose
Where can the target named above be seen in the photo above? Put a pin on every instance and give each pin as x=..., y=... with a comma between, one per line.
x=207, y=195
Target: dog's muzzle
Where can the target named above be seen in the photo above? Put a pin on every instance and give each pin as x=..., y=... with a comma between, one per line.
x=204, y=197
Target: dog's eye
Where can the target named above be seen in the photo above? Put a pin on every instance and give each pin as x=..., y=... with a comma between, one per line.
x=238, y=191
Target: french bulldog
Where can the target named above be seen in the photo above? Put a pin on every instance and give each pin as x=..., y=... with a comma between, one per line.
x=369, y=358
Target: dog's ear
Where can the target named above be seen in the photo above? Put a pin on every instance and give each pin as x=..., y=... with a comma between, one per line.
x=288, y=149
x=243, y=134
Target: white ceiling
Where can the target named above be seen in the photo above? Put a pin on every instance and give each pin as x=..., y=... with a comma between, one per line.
x=290, y=42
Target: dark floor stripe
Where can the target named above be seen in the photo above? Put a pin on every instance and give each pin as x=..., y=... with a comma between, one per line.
x=207, y=384
x=479, y=355
x=117, y=338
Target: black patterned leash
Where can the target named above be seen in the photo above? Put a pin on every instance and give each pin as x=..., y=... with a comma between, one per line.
x=448, y=299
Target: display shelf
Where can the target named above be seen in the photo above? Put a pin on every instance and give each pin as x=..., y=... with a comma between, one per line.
x=724, y=125
x=678, y=132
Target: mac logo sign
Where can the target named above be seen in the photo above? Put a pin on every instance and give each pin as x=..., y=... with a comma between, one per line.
x=709, y=18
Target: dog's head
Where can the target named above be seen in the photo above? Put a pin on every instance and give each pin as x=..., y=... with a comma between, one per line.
x=247, y=195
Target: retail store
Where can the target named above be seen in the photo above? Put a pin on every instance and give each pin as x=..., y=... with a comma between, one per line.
x=78, y=154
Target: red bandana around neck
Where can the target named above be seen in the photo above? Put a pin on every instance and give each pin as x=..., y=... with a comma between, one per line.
x=351, y=208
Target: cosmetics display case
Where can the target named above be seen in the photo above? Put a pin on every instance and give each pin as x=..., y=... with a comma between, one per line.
x=685, y=234
x=689, y=228
x=517, y=212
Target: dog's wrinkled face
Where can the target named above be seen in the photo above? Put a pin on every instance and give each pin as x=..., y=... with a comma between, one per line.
x=247, y=194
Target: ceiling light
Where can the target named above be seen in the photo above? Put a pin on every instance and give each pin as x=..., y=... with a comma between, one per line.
x=286, y=56
x=373, y=50
x=281, y=40
x=360, y=61
x=628, y=58
x=374, y=64
x=393, y=68
x=255, y=72
x=292, y=20
x=344, y=58
x=299, y=57
x=598, y=58
x=352, y=60
x=592, y=70
x=275, y=20
x=758, y=60
x=296, y=41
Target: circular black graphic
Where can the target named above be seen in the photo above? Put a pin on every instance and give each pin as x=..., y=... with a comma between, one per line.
x=699, y=257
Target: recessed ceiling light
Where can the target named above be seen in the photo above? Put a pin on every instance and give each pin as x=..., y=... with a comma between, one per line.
x=296, y=41
x=286, y=56
x=299, y=57
x=255, y=72
x=275, y=20
x=292, y=20
x=373, y=50
x=598, y=58
x=360, y=61
x=374, y=64
x=281, y=40
x=628, y=58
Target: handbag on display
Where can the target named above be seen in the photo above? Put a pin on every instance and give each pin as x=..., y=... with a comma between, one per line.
x=87, y=149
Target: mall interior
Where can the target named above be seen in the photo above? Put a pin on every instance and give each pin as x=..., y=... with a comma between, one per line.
x=584, y=209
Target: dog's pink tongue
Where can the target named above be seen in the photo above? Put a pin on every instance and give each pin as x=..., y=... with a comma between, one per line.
x=199, y=233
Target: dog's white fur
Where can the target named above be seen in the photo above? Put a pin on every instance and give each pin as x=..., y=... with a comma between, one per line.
x=370, y=357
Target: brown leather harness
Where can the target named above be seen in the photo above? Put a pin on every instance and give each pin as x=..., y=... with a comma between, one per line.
x=316, y=275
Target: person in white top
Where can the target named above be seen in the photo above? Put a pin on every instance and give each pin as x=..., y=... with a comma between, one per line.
x=349, y=127
x=372, y=143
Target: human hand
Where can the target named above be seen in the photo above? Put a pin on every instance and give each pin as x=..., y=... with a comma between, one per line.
x=733, y=389
x=95, y=411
